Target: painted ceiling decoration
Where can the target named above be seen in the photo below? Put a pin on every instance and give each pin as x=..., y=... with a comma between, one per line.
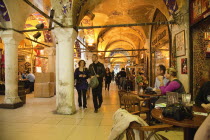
x=89, y=33
x=37, y=18
x=63, y=11
x=171, y=5
x=3, y=12
x=119, y=52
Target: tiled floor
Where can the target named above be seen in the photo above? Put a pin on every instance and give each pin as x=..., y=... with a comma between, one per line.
x=36, y=121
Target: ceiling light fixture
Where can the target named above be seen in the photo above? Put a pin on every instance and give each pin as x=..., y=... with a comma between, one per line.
x=38, y=34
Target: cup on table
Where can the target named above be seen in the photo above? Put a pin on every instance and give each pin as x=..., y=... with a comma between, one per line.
x=172, y=97
x=186, y=98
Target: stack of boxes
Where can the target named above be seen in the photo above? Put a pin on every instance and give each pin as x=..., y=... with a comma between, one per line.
x=44, y=85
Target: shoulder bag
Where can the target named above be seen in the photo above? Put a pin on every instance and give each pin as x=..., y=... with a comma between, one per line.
x=94, y=81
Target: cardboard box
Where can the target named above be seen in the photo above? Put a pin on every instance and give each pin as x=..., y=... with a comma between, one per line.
x=52, y=88
x=44, y=90
x=44, y=77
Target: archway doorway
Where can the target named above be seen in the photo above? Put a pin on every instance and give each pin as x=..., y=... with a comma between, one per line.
x=160, y=45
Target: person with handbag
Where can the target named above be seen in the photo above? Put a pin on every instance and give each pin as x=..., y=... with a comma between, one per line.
x=81, y=75
x=97, y=69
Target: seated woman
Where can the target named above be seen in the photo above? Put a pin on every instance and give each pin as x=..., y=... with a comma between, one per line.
x=203, y=96
x=174, y=85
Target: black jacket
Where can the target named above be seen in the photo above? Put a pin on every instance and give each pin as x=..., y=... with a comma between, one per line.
x=99, y=71
x=108, y=77
x=202, y=94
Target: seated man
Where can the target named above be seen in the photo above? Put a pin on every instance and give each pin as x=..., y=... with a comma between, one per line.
x=161, y=70
x=203, y=96
x=174, y=85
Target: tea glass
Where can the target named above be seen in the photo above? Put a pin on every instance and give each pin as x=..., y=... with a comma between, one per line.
x=172, y=97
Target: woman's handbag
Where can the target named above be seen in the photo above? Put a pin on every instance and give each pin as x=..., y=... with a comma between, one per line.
x=94, y=81
x=178, y=112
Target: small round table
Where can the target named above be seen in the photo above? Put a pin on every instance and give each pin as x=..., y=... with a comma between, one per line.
x=149, y=102
x=190, y=126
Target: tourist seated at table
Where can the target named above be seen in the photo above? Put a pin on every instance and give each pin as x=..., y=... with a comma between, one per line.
x=24, y=75
x=161, y=70
x=203, y=96
x=174, y=85
x=203, y=132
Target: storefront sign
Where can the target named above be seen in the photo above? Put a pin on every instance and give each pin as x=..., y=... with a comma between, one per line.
x=159, y=37
x=200, y=9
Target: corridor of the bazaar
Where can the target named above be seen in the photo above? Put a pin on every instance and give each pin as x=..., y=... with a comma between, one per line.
x=104, y=69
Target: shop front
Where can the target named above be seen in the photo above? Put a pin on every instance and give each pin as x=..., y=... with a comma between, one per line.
x=200, y=43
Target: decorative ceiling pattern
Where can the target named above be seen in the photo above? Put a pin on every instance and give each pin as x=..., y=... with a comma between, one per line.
x=3, y=12
x=33, y=20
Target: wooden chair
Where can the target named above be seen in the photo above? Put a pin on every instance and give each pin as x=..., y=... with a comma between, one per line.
x=142, y=129
x=121, y=93
x=134, y=105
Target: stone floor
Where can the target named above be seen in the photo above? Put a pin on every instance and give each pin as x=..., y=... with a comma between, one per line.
x=36, y=121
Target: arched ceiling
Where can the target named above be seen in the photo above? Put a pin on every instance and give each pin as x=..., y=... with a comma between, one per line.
x=111, y=12
x=122, y=58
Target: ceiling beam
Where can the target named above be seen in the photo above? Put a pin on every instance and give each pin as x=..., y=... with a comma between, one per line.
x=30, y=48
x=82, y=44
x=119, y=56
x=38, y=42
x=26, y=37
x=118, y=50
x=117, y=62
x=128, y=25
x=34, y=30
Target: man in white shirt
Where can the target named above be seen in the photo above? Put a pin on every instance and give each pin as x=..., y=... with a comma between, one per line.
x=31, y=78
x=161, y=69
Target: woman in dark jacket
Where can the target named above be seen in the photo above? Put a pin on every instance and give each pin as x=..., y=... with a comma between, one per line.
x=108, y=78
x=203, y=97
x=81, y=76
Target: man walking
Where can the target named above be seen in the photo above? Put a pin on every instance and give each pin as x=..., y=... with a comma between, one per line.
x=97, y=68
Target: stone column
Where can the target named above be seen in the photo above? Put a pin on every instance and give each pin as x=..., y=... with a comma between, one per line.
x=65, y=70
x=11, y=41
x=50, y=52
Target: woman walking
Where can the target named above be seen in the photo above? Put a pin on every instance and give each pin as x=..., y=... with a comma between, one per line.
x=108, y=78
x=81, y=76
